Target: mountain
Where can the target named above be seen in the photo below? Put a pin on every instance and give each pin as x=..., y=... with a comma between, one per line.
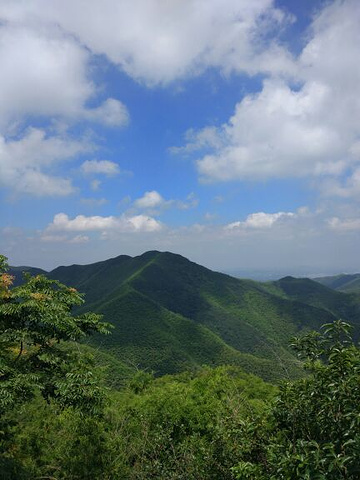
x=313, y=293
x=343, y=282
x=171, y=314
x=17, y=273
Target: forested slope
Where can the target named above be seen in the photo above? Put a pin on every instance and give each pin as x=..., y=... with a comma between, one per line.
x=171, y=314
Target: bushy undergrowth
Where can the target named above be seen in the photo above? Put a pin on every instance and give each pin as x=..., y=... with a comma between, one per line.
x=177, y=427
x=314, y=424
x=216, y=424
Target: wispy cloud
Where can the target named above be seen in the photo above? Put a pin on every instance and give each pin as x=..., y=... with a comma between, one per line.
x=104, y=167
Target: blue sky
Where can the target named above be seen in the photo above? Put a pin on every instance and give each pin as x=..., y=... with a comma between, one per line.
x=224, y=130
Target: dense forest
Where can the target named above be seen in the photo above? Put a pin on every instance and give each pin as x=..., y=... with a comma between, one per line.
x=172, y=315
x=73, y=409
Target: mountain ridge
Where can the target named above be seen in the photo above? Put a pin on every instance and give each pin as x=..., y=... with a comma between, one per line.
x=343, y=282
x=171, y=314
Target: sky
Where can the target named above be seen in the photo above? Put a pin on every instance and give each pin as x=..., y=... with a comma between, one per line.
x=227, y=131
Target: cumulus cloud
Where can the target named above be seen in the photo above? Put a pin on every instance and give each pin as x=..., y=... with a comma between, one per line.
x=26, y=163
x=277, y=133
x=157, y=42
x=111, y=112
x=45, y=72
x=308, y=128
x=142, y=223
x=100, y=166
x=154, y=202
x=150, y=199
x=259, y=220
x=82, y=223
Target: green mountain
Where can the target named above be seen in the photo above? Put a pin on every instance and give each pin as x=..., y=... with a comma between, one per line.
x=171, y=314
x=313, y=293
x=342, y=283
x=17, y=273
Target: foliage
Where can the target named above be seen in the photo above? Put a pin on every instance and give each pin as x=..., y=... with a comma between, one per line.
x=199, y=425
x=207, y=423
x=35, y=318
x=172, y=315
x=36, y=322
x=188, y=426
x=52, y=443
x=315, y=431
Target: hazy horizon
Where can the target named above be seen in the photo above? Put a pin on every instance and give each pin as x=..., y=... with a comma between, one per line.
x=250, y=273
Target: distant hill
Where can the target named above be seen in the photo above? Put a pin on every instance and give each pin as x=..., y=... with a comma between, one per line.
x=17, y=273
x=171, y=314
x=313, y=293
x=343, y=282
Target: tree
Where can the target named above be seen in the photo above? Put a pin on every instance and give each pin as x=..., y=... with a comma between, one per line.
x=36, y=321
x=314, y=430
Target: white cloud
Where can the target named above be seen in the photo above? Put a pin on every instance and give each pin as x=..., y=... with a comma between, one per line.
x=260, y=220
x=348, y=189
x=80, y=239
x=112, y=113
x=142, y=223
x=26, y=163
x=50, y=238
x=151, y=199
x=303, y=240
x=206, y=138
x=304, y=128
x=82, y=223
x=100, y=166
x=154, y=202
x=158, y=42
x=45, y=71
x=344, y=225
x=53, y=238
x=278, y=133
x=191, y=201
x=41, y=185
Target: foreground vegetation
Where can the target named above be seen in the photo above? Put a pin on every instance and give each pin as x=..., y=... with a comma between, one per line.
x=61, y=420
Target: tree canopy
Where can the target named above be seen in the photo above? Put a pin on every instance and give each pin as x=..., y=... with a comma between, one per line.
x=36, y=320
